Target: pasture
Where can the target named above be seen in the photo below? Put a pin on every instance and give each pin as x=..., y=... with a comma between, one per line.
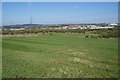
x=61, y=55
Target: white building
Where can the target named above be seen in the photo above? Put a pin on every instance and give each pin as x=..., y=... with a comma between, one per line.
x=65, y=27
x=113, y=24
x=18, y=29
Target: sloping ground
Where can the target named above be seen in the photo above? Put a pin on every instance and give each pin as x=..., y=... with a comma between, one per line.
x=60, y=56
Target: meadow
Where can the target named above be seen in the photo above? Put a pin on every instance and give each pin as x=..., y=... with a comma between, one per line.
x=60, y=55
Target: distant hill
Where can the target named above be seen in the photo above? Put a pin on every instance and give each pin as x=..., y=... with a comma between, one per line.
x=24, y=25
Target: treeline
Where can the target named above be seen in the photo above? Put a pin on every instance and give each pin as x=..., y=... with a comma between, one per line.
x=35, y=31
x=105, y=33
x=101, y=33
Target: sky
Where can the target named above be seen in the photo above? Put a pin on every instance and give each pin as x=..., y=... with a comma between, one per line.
x=0, y=14
x=59, y=12
x=60, y=0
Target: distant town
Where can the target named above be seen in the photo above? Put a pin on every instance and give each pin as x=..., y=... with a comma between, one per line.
x=59, y=26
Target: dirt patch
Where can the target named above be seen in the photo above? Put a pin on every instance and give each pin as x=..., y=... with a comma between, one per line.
x=76, y=53
x=75, y=59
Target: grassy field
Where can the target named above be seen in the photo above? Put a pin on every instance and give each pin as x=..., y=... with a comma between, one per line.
x=62, y=55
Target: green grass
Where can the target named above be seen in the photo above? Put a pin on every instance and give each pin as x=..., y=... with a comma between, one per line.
x=62, y=55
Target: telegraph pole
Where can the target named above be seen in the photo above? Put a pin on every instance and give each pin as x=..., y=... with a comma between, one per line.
x=11, y=24
x=31, y=21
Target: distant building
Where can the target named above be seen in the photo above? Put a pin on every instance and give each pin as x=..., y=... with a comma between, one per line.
x=65, y=27
x=17, y=29
x=113, y=24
